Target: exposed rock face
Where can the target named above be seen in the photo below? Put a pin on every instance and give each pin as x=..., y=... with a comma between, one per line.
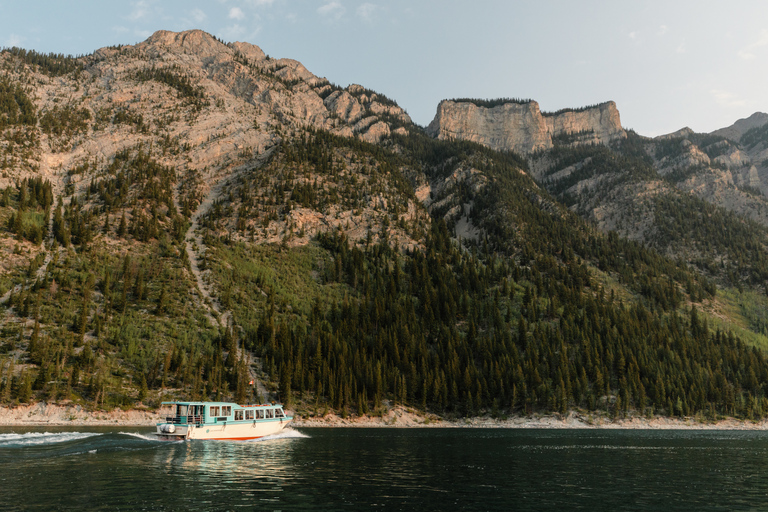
x=740, y=127
x=522, y=127
x=718, y=167
x=719, y=170
x=247, y=95
x=343, y=105
x=682, y=133
x=298, y=98
x=213, y=112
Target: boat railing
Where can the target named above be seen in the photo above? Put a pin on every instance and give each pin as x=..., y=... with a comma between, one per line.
x=183, y=419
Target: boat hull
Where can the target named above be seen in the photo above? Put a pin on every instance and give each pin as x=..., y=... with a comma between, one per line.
x=226, y=431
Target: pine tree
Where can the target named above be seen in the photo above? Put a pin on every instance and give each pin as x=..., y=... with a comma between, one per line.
x=122, y=227
x=143, y=388
x=161, y=302
x=285, y=384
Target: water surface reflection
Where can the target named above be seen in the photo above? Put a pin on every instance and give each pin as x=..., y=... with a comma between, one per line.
x=399, y=469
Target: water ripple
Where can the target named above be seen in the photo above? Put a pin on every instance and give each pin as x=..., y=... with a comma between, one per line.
x=396, y=469
x=27, y=439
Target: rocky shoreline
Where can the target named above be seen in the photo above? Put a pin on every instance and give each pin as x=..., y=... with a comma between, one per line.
x=43, y=414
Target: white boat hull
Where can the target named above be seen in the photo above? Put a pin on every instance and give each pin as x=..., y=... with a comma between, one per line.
x=239, y=431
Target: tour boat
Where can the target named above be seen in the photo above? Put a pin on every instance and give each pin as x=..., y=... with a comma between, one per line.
x=222, y=421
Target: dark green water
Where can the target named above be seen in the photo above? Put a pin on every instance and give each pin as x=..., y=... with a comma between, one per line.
x=387, y=469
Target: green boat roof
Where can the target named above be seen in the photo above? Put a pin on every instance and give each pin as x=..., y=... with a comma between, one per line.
x=232, y=404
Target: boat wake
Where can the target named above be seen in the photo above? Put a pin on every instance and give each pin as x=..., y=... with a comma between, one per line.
x=50, y=445
x=287, y=433
x=145, y=437
x=28, y=439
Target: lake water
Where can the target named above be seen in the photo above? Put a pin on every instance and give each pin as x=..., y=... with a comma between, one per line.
x=385, y=469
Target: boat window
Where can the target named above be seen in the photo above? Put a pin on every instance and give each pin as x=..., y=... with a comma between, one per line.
x=238, y=415
x=214, y=410
x=249, y=415
x=279, y=413
x=270, y=413
x=226, y=410
x=181, y=410
x=259, y=414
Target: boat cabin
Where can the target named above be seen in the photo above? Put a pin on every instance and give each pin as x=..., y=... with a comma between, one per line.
x=211, y=413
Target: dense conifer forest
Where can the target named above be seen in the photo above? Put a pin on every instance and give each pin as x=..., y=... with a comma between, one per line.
x=496, y=327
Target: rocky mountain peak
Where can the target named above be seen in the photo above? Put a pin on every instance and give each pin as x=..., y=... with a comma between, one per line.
x=191, y=42
x=282, y=87
x=682, y=133
x=188, y=38
x=209, y=110
x=520, y=126
x=740, y=127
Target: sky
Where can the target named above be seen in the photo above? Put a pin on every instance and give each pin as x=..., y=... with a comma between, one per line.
x=667, y=64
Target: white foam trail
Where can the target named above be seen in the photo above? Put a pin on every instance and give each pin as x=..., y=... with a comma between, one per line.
x=41, y=438
x=145, y=437
x=287, y=433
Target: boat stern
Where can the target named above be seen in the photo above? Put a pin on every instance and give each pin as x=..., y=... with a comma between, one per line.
x=172, y=431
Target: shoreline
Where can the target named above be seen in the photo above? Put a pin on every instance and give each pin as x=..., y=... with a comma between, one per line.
x=43, y=414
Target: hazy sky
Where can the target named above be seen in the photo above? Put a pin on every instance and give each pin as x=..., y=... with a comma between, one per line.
x=667, y=64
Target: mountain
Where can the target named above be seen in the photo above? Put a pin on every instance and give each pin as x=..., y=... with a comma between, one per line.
x=520, y=126
x=700, y=197
x=185, y=215
x=740, y=127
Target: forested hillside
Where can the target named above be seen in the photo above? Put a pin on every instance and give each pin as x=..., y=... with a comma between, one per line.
x=619, y=188
x=183, y=216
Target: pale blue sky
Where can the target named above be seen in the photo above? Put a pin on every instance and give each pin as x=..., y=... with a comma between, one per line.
x=667, y=64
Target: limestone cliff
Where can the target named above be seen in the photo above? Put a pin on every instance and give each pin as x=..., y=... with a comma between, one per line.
x=522, y=127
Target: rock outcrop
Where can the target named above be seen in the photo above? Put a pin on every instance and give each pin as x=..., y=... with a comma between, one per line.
x=718, y=166
x=212, y=111
x=522, y=127
x=740, y=127
x=213, y=96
